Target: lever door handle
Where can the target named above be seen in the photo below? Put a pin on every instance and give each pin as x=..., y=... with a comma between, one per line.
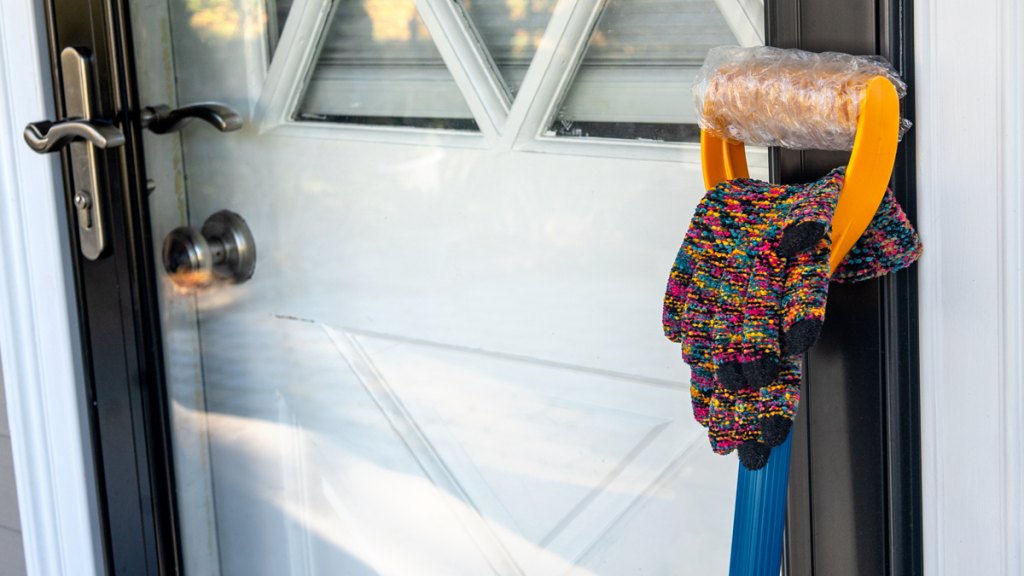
x=83, y=135
x=164, y=120
x=46, y=136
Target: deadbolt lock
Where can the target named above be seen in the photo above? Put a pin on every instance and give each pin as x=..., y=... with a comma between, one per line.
x=223, y=251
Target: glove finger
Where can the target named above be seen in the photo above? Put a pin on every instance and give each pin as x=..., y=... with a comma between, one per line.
x=804, y=298
x=732, y=419
x=696, y=347
x=754, y=454
x=721, y=421
x=776, y=406
x=755, y=223
x=810, y=216
x=697, y=315
x=778, y=402
x=805, y=212
x=702, y=387
x=727, y=328
x=761, y=312
x=675, y=295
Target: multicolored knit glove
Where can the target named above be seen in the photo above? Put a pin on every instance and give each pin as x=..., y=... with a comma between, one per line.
x=729, y=276
x=735, y=244
x=728, y=428
x=890, y=243
x=753, y=419
x=784, y=311
x=773, y=301
x=779, y=314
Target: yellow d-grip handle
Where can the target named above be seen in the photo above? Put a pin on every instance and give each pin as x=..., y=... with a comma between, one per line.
x=867, y=173
x=870, y=167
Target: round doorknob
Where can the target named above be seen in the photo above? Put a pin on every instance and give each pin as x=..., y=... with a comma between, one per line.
x=222, y=251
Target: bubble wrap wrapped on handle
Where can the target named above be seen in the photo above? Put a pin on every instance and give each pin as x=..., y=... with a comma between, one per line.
x=801, y=100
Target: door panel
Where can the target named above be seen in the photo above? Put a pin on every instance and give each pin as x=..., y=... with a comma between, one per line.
x=449, y=359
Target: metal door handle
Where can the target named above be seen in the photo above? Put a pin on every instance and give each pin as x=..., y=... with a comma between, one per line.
x=49, y=136
x=223, y=250
x=83, y=135
x=163, y=120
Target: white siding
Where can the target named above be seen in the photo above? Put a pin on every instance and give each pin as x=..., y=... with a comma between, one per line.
x=969, y=129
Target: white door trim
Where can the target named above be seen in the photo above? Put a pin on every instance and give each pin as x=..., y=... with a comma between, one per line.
x=470, y=64
x=970, y=134
x=38, y=332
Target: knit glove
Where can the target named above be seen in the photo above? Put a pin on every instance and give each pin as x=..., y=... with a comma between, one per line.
x=753, y=419
x=784, y=310
x=890, y=243
x=759, y=330
x=773, y=297
x=729, y=275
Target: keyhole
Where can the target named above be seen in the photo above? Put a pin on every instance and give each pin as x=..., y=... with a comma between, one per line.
x=84, y=205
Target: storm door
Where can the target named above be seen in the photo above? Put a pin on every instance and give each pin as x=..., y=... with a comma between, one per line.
x=380, y=284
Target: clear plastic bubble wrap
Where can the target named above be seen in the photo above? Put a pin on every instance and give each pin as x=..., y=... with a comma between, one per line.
x=769, y=96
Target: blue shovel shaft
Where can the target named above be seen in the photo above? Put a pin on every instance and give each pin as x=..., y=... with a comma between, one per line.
x=760, y=516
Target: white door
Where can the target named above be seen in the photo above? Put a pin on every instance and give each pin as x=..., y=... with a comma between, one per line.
x=449, y=360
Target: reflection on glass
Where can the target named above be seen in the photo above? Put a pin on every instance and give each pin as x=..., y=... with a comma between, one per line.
x=224, y=20
x=634, y=80
x=277, y=14
x=378, y=65
x=511, y=30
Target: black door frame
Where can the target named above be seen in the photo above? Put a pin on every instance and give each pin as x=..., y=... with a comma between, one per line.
x=118, y=311
x=863, y=449
x=857, y=437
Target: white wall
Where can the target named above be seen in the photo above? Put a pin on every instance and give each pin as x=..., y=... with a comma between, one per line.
x=970, y=133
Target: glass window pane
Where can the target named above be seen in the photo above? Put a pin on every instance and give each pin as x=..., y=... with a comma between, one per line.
x=279, y=10
x=378, y=65
x=511, y=30
x=635, y=77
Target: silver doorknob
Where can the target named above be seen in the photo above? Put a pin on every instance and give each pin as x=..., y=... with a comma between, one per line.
x=222, y=251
